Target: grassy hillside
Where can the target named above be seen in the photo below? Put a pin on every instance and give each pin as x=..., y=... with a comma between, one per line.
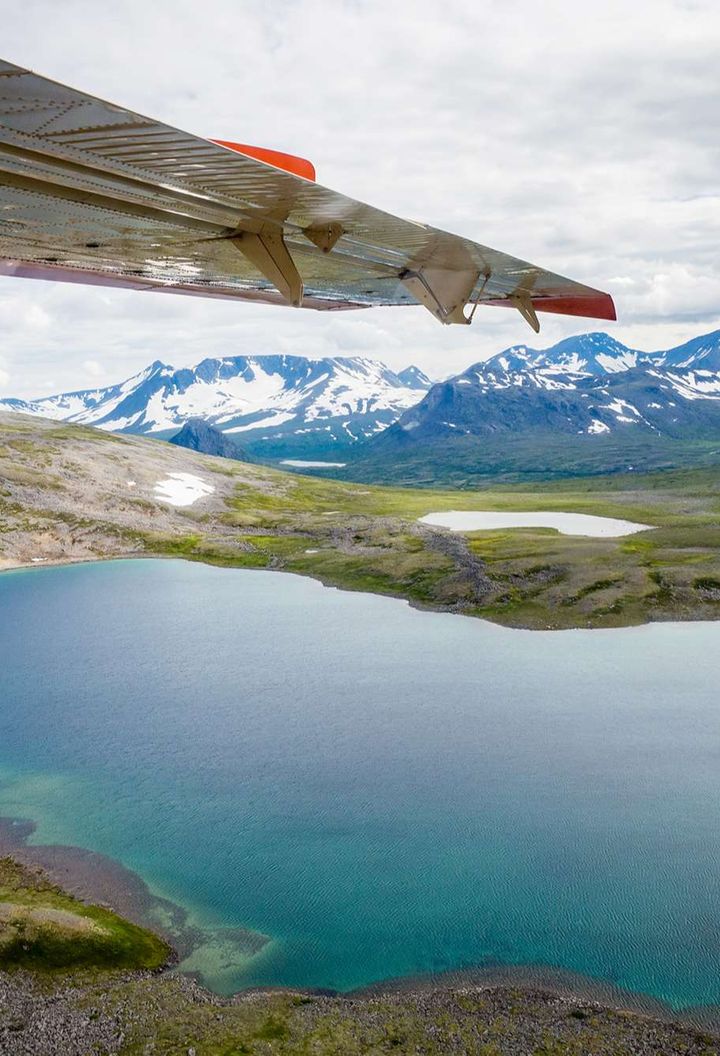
x=44, y=929
x=70, y=493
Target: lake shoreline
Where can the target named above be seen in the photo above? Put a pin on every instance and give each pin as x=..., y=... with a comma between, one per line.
x=98, y=879
x=142, y=1008
x=101, y=880
x=66, y=496
x=421, y=606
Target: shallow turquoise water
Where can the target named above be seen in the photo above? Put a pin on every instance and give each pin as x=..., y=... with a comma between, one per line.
x=382, y=791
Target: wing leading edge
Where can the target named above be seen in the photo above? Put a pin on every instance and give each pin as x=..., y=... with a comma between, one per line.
x=93, y=193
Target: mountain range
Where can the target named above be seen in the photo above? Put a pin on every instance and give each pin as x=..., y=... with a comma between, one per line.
x=586, y=404
x=276, y=405
x=589, y=384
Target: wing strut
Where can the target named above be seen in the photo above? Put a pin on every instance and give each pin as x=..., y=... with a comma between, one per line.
x=266, y=249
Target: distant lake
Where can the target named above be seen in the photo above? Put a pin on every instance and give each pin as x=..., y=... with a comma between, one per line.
x=301, y=464
x=381, y=791
x=565, y=523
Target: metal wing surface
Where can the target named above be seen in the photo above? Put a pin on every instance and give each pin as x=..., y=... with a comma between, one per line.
x=93, y=193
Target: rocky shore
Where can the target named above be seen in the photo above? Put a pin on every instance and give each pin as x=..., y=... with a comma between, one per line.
x=165, y=1014
x=495, y=1011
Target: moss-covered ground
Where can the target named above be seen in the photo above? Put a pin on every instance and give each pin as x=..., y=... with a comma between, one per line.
x=367, y=538
x=45, y=929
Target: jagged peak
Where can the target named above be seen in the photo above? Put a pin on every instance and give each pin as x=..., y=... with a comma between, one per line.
x=156, y=367
x=414, y=376
x=247, y=393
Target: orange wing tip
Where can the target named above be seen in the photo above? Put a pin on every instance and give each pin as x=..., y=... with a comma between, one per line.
x=288, y=162
x=597, y=306
x=590, y=306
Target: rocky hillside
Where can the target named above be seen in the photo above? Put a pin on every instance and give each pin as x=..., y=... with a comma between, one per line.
x=169, y=1015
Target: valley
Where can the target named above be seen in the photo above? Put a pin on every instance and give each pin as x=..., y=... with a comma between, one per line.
x=73, y=493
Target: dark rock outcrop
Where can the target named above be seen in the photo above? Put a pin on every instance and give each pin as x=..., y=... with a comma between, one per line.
x=197, y=435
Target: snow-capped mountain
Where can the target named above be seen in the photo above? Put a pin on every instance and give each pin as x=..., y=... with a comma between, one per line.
x=590, y=384
x=600, y=354
x=588, y=404
x=582, y=354
x=277, y=404
x=583, y=394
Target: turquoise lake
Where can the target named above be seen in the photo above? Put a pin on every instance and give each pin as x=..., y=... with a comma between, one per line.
x=382, y=791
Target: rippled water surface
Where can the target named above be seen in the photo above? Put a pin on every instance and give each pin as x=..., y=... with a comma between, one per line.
x=381, y=791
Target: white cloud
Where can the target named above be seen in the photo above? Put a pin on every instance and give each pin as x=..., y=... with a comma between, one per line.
x=583, y=140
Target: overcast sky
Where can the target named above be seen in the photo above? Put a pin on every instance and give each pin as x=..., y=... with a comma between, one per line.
x=580, y=136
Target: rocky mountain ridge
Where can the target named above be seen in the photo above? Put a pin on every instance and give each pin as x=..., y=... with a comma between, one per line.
x=586, y=385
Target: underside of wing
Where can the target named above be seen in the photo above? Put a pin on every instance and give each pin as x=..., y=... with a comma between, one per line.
x=93, y=193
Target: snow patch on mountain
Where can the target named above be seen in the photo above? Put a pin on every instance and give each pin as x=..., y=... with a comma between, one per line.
x=263, y=423
x=182, y=489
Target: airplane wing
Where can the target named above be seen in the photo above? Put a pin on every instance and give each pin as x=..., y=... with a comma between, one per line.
x=93, y=193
